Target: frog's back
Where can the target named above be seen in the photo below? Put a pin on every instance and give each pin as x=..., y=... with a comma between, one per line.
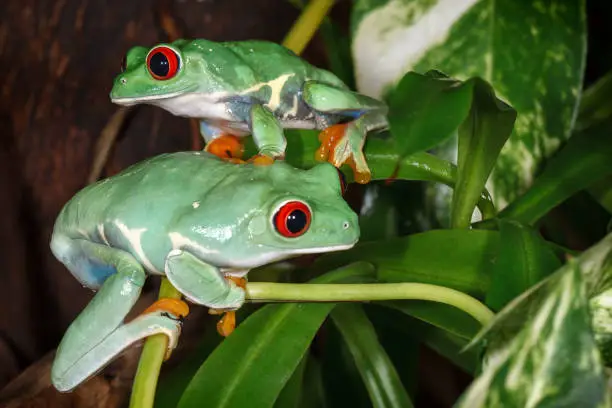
x=151, y=188
x=270, y=60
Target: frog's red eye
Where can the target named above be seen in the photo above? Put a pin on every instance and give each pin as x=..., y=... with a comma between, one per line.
x=342, y=178
x=292, y=219
x=163, y=63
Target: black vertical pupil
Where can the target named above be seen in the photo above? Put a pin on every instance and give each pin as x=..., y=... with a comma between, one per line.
x=159, y=64
x=296, y=221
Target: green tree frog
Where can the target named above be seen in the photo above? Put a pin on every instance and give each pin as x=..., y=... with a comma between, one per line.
x=201, y=221
x=251, y=87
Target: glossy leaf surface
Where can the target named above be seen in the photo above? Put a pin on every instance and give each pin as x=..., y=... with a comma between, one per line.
x=524, y=260
x=251, y=367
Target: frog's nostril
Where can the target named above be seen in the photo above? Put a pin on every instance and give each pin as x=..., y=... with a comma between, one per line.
x=123, y=81
x=346, y=225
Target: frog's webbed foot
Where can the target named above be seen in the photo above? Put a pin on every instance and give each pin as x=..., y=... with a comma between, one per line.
x=339, y=146
x=227, y=323
x=261, y=160
x=343, y=143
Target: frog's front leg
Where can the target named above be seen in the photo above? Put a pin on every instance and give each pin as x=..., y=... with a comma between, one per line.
x=343, y=143
x=205, y=284
x=98, y=334
x=267, y=134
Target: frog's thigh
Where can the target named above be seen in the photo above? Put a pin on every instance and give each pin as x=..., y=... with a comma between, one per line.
x=267, y=132
x=117, y=295
x=202, y=283
x=330, y=99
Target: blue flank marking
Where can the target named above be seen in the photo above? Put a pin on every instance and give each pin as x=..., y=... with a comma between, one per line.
x=96, y=274
x=208, y=131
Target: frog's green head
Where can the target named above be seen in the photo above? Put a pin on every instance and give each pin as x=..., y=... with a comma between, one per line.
x=160, y=72
x=277, y=212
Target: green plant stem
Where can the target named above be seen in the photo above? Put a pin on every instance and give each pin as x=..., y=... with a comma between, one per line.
x=151, y=359
x=363, y=292
x=306, y=25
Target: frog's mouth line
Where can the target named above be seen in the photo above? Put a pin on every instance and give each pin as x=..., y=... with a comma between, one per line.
x=127, y=101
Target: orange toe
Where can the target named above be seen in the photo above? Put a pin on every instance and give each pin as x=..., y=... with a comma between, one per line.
x=175, y=306
x=226, y=147
x=261, y=160
x=227, y=324
x=329, y=138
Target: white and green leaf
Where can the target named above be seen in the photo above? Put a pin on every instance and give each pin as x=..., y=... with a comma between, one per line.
x=531, y=52
x=552, y=361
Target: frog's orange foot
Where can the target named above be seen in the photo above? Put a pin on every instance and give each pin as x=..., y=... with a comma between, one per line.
x=226, y=147
x=176, y=307
x=337, y=149
x=261, y=160
x=227, y=324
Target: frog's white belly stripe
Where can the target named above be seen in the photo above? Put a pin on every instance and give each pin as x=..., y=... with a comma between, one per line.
x=103, y=234
x=134, y=236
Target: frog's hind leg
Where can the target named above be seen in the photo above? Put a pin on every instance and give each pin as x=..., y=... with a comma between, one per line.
x=98, y=334
x=343, y=143
x=221, y=144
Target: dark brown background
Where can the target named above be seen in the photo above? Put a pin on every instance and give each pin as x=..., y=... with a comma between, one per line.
x=57, y=62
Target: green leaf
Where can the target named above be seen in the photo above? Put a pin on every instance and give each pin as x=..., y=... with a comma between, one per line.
x=291, y=394
x=486, y=39
x=406, y=330
x=448, y=318
x=272, y=340
x=583, y=160
x=552, y=361
x=602, y=192
x=458, y=259
x=377, y=371
x=313, y=395
x=481, y=137
x=524, y=260
x=420, y=123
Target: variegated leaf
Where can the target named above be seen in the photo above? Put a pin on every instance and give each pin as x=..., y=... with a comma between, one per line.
x=531, y=52
x=552, y=361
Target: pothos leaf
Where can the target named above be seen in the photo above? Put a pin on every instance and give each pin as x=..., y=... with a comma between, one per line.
x=551, y=362
x=595, y=266
x=471, y=39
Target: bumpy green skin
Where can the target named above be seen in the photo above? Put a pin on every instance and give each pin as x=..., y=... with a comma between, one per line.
x=224, y=84
x=192, y=217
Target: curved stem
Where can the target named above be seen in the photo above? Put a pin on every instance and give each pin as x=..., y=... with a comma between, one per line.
x=151, y=359
x=313, y=292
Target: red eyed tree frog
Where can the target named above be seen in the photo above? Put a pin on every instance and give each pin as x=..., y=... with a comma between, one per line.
x=201, y=221
x=251, y=87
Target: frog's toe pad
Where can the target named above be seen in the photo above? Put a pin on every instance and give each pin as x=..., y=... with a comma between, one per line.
x=261, y=160
x=337, y=148
x=226, y=147
x=227, y=324
x=175, y=307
